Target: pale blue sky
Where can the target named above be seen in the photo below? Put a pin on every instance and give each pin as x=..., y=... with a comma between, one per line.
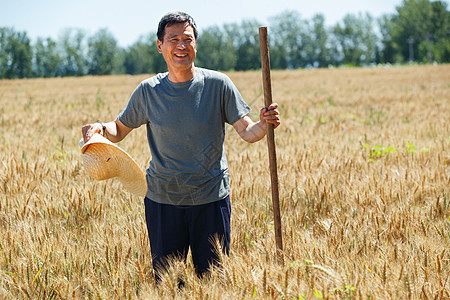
x=129, y=19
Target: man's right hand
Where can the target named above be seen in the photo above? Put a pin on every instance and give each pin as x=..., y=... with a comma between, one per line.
x=114, y=131
x=89, y=130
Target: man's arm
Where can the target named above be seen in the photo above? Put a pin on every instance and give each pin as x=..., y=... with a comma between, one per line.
x=115, y=131
x=252, y=132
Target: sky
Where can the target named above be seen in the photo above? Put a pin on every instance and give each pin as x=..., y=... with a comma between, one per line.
x=127, y=20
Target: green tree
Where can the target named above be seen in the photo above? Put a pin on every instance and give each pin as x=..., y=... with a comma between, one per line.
x=245, y=39
x=289, y=31
x=73, y=52
x=119, y=67
x=440, y=32
x=22, y=56
x=102, y=53
x=385, y=49
x=355, y=40
x=46, y=58
x=159, y=64
x=278, y=54
x=318, y=37
x=215, y=50
x=16, y=54
x=143, y=56
x=4, y=37
x=138, y=58
x=420, y=31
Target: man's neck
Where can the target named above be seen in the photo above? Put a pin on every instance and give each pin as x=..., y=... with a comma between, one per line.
x=182, y=76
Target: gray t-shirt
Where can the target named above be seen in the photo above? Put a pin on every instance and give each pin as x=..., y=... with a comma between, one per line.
x=186, y=130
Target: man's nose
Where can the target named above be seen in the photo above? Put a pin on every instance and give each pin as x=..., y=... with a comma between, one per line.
x=181, y=44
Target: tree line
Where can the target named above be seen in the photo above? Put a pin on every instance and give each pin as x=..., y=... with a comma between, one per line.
x=418, y=31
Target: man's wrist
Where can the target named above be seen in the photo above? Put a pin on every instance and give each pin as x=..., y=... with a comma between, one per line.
x=103, y=128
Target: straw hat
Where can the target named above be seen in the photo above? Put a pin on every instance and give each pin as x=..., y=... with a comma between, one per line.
x=104, y=160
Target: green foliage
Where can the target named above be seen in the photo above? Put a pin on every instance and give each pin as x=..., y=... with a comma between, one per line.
x=99, y=100
x=320, y=52
x=24, y=156
x=374, y=117
x=356, y=40
x=216, y=50
x=245, y=40
x=47, y=59
x=385, y=48
x=59, y=158
x=289, y=31
x=143, y=57
x=102, y=50
x=411, y=149
x=74, y=58
x=318, y=294
x=418, y=31
x=378, y=151
x=15, y=54
x=138, y=59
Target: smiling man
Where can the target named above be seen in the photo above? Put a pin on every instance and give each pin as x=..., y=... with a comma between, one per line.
x=185, y=110
x=178, y=47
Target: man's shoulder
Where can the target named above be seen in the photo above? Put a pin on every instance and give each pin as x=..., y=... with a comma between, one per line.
x=214, y=76
x=154, y=80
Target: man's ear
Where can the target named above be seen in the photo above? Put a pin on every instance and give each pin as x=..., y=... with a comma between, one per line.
x=159, y=43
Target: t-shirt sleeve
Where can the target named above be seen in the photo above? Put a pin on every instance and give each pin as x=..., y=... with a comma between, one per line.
x=234, y=106
x=134, y=114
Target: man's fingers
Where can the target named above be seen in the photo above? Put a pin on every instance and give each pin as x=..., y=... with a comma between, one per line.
x=273, y=106
x=88, y=131
x=271, y=112
x=272, y=118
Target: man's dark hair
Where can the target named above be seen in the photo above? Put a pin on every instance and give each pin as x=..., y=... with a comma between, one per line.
x=175, y=18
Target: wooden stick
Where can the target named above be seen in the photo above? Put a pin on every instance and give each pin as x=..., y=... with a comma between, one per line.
x=265, y=67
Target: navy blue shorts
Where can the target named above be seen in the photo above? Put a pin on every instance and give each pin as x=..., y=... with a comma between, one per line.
x=172, y=229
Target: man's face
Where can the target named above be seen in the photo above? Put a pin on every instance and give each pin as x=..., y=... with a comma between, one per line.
x=179, y=46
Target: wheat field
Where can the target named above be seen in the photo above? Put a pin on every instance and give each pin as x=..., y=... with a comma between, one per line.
x=363, y=166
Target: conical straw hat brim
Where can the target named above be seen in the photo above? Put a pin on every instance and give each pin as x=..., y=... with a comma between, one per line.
x=104, y=160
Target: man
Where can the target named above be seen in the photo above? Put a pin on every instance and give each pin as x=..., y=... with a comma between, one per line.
x=185, y=110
